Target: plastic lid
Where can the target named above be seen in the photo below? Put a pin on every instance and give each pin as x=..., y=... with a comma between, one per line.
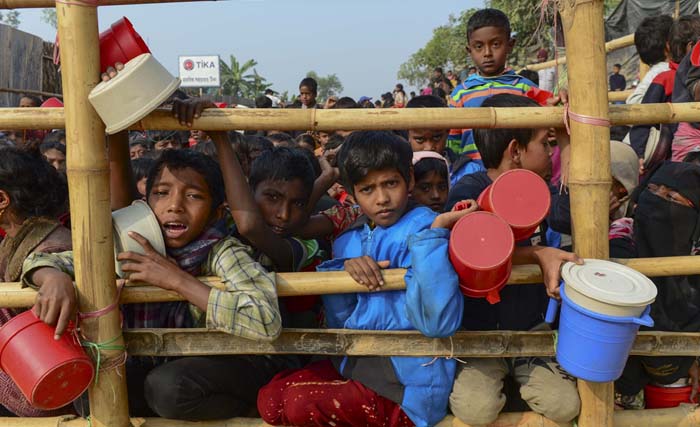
x=482, y=241
x=520, y=197
x=609, y=282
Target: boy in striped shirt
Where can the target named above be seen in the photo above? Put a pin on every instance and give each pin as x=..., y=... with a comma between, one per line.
x=489, y=43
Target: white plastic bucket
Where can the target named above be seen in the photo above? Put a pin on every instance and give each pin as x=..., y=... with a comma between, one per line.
x=139, y=218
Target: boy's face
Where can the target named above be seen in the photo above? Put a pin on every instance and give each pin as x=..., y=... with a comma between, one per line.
x=166, y=144
x=431, y=191
x=56, y=159
x=428, y=140
x=181, y=200
x=383, y=196
x=26, y=102
x=489, y=47
x=537, y=157
x=616, y=70
x=283, y=204
x=306, y=96
x=323, y=138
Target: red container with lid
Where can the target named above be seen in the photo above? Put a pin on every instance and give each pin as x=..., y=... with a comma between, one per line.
x=521, y=198
x=481, y=251
x=50, y=373
x=120, y=43
x=659, y=396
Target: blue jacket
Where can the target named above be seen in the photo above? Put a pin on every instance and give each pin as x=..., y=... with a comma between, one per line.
x=431, y=303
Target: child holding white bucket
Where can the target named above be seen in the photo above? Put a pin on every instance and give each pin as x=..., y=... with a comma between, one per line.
x=666, y=223
x=478, y=396
x=31, y=192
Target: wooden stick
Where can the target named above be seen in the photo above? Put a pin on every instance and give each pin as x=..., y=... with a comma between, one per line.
x=91, y=220
x=620, y=95
x=368, y=118
x=589, y=170
x=339, y=342
x=682, y=416
x=610, y=46
x=32, y=4
x=30, y=92
x=13, y=295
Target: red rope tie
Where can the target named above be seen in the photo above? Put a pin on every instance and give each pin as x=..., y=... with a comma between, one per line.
x=582, y=118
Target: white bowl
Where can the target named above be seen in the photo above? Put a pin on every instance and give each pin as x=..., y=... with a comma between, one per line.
x=608, y=288
x=133, y=93
x=139, y=218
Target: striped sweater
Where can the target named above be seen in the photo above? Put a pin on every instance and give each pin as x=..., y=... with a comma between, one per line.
x=474, y=91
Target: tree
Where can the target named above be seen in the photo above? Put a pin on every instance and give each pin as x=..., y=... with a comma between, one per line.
x=327, y=86
x=48, y=16
x=10, y=18
x=238, y=80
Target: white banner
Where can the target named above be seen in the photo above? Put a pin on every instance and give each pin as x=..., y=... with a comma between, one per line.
x=199, y=71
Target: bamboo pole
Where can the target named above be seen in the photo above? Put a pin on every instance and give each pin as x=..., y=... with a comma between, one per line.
x=682, y=416
x=610, y=46
x=13, y=295
x=91, y=221
x=328, y=342
x=620, y=95
x=589, y=170
x=33, y=4
x=368, y=118
x=30, y=92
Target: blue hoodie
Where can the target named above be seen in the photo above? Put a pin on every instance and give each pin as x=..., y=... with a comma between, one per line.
x=431, y=303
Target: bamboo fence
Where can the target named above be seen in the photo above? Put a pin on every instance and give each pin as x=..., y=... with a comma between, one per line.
x=589, y=184
x=369, y=118
x=610, y=46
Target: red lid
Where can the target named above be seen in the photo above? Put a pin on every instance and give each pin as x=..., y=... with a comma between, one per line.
x=521, y=198
x=481, y=241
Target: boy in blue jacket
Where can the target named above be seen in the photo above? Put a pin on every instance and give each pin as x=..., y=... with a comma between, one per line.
x=392, y=233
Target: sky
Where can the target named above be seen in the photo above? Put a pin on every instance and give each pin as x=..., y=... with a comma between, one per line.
x=362, y=41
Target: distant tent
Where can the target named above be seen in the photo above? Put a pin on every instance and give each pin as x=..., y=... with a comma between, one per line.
x=630, y=13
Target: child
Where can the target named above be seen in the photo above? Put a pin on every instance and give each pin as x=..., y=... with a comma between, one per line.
x=617, y=80
x=650, y=40
x=55, y=154
x=185, y=191
x=489, y=44
x=140, y=147
x=432, y=182
x=308, y=90
x=141, y=167
x=379, y=391
x=682, y=33
x=166, y=140
x=477, y=397
x=31, y=192
x=436, y=140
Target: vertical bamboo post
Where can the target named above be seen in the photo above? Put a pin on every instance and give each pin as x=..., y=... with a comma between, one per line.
x=88, y=181
x=589, y=172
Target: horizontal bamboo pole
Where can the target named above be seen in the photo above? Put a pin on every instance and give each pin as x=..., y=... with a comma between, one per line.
x=610, y=46
x=30, y=92
x=682, y=416
x=368, y=118
x=620, y=95
x=33, y=4
x=340, y=342
x=12, y=295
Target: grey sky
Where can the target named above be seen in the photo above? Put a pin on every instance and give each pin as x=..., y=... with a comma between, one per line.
x=362, y=41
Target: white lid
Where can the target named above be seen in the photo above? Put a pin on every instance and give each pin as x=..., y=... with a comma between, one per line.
x=609, y=282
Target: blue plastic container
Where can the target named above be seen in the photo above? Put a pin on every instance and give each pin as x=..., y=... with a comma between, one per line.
x=594, y=346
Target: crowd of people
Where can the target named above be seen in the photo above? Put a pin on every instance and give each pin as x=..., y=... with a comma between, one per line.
x=242, y=206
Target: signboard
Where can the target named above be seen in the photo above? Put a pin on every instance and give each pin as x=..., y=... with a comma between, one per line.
x=199, y=71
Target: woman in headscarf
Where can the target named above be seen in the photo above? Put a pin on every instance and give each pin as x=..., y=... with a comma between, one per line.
x=667, y=223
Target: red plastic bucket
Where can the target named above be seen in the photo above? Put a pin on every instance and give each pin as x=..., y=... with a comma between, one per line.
x=521, y=198
x=49, y=373
x=658, y=397
x=481, y=251
x=120, y=43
